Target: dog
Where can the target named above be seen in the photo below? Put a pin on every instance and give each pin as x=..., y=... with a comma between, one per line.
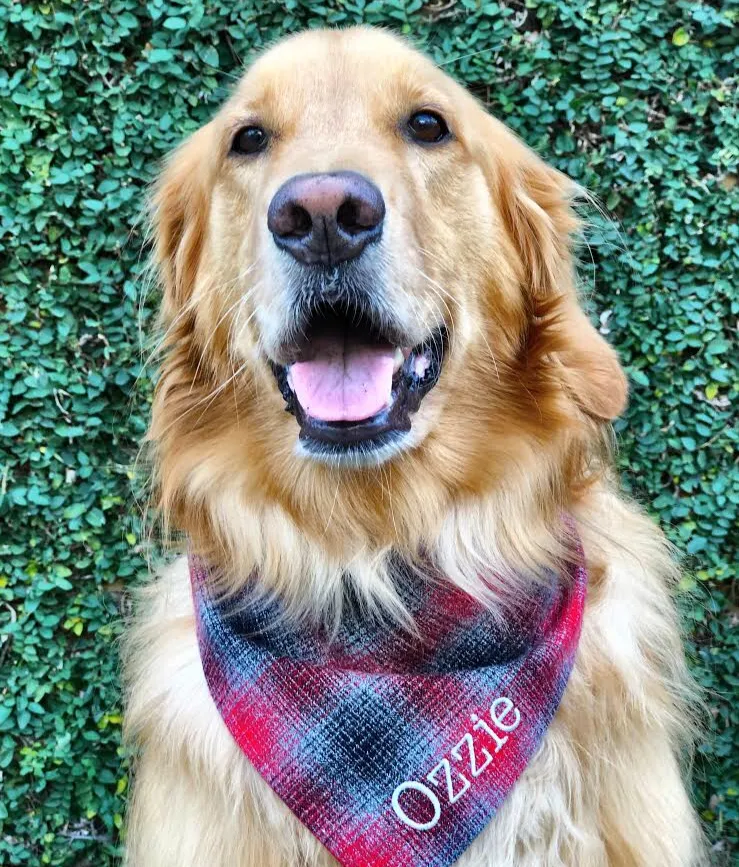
x=355, y=240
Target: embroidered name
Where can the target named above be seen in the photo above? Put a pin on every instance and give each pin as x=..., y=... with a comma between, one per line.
x=473, y=757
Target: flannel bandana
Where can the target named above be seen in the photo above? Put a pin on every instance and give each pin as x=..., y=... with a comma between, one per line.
x=395, y=750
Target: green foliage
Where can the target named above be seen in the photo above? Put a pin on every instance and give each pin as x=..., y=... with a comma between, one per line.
x=636, y=100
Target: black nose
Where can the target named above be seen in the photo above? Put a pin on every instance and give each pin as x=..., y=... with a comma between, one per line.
x=326, y=218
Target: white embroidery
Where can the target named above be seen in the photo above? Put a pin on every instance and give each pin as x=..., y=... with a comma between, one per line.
x=474, y=769
x=505, y=717
x=499, y=721
x=500, y=742
x=404, y=817
x=451, y=795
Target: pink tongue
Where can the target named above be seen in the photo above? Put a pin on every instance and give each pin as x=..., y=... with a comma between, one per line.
x=344, y=382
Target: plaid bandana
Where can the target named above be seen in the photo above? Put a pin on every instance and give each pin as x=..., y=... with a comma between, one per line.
x=394, y=749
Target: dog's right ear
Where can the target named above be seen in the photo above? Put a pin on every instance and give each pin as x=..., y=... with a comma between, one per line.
x=180, y=213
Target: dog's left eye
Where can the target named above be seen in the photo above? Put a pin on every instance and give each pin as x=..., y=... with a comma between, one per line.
x=249, y=140
x=427, y=127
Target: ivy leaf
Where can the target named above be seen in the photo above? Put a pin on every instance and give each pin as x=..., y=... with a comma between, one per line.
x=210, y=56
x=680, y=37
x=160, y=55
x=74, y=511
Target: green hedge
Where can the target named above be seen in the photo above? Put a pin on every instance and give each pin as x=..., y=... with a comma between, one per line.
x=634, y=98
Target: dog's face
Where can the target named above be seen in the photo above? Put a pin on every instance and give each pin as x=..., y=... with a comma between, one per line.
x=355, y=240
x=362, y=202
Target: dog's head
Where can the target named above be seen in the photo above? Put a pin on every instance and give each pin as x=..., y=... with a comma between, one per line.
x=353, y=239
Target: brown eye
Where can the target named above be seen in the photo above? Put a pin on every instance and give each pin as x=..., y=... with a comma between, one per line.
x=249, y=140
x=427, y=127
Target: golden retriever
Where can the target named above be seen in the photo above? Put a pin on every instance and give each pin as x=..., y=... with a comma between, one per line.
x=348, y=181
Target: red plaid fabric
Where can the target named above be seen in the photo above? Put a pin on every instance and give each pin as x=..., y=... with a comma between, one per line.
x=394, y=749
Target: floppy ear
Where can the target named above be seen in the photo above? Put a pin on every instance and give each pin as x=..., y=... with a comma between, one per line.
x=180, y=210
x=589, y=367
x=537, y=209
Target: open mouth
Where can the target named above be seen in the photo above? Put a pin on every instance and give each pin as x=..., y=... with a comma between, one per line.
x=353, y=387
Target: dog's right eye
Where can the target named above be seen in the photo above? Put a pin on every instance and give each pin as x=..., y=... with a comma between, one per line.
x=249, y=140
x=427, y=127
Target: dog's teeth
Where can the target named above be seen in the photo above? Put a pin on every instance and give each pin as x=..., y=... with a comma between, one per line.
x=421, y=364
x=290, y=380
x=398, y=360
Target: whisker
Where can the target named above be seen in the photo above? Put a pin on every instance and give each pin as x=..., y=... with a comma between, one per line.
x=187, y=308
x=390, y=499
x=209, y=398
x=495, y=363
x=159, y=346
x=208, y=341
x=333, y=506
x=433, y=286
x=463, y=57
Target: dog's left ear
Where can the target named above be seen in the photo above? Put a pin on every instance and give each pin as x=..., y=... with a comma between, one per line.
x=538, y=214
x=589, y=367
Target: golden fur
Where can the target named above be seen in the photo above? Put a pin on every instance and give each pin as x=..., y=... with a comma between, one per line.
x=478, y=236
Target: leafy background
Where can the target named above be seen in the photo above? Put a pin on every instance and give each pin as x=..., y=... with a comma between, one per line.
x=636, y=100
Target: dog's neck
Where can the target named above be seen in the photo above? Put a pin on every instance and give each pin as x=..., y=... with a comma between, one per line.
x=491, y=559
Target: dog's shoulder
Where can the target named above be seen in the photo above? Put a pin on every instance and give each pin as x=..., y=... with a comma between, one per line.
x=167, y=695
x=631, y=625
